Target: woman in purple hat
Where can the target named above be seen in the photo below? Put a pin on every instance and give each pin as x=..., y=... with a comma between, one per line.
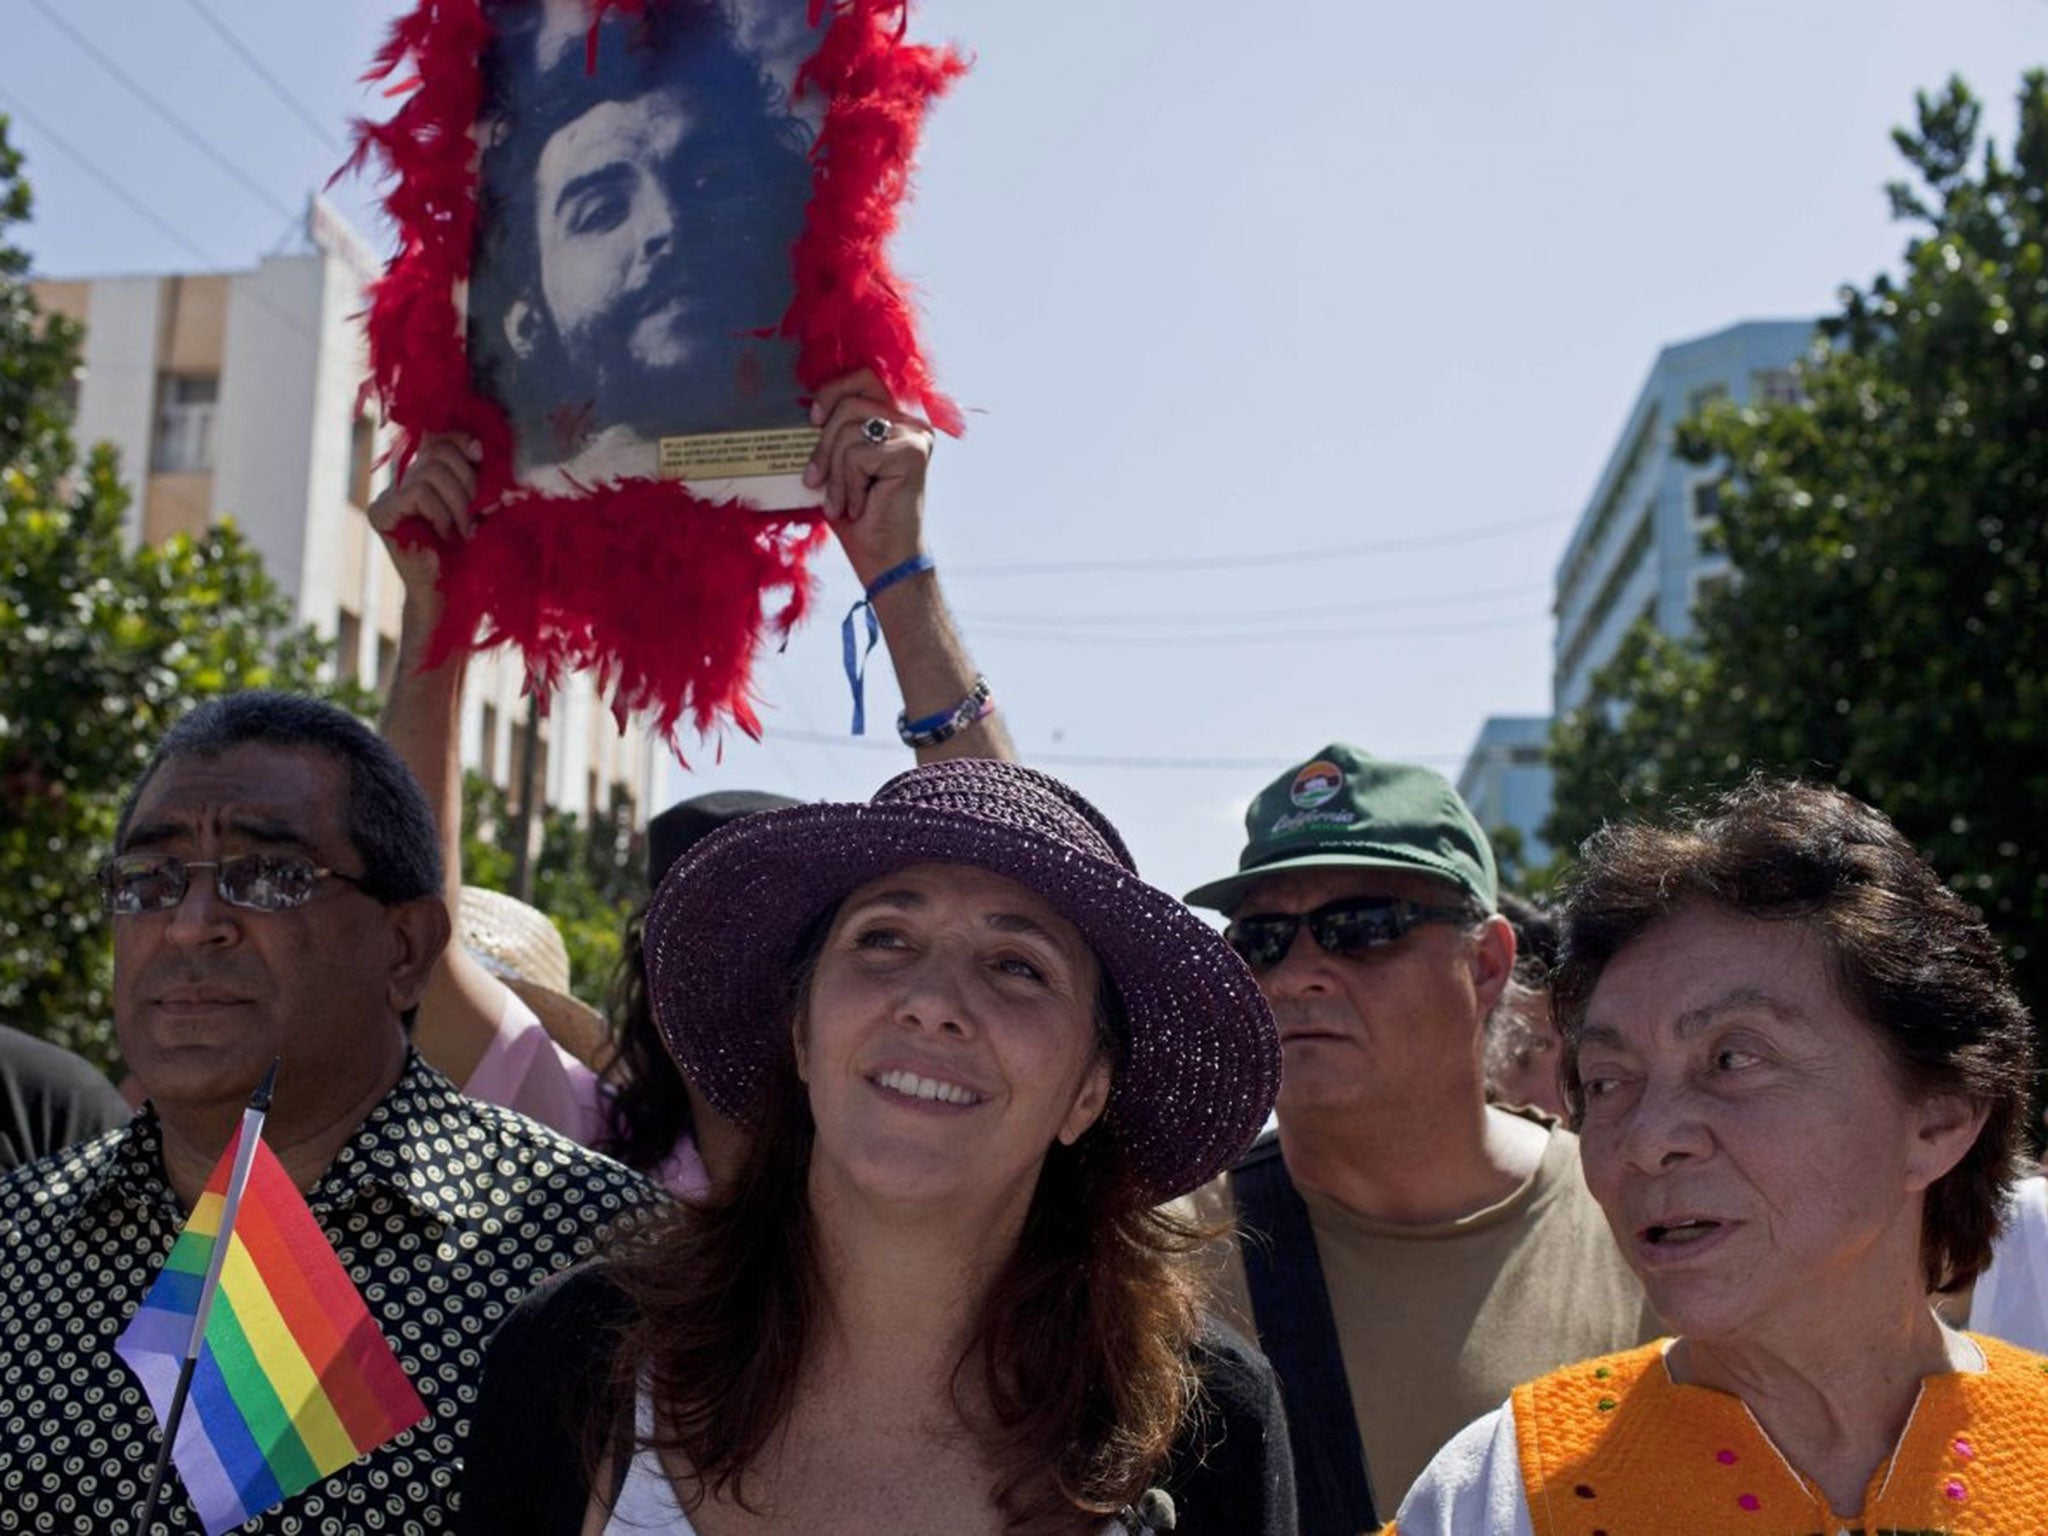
x=975, y=1054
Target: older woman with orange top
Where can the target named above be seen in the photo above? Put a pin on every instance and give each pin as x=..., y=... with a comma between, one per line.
x=1800, y=1073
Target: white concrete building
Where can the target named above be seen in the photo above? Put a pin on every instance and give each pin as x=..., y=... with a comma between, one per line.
x=235, y=394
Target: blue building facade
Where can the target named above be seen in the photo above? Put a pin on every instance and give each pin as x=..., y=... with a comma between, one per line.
x=1506, y=780
x=1636, y=551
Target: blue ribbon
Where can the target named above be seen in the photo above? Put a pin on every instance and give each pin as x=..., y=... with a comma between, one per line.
x=857, y=665
x=857, y=658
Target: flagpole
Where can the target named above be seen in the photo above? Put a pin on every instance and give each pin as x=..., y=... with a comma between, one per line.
x=238, y=1179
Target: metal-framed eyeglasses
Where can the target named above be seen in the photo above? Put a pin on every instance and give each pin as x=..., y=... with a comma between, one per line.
x=135, y=883
x=1349, y=929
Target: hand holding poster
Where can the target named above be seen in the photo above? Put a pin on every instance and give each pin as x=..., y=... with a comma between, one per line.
x=635, y=235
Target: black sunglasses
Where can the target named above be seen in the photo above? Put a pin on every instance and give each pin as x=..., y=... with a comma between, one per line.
x=1348, y=929
x=262, y=882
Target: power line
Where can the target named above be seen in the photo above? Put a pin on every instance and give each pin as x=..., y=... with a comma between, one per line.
x=92, y=169
x=1101, y=759
x=277, y=87
x=191, y=135
x=1213, y=615
x=1054, y=636
x=1133, y=567
x=170, y=231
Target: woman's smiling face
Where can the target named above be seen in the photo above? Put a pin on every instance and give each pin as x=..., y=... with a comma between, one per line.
x=949, y=1039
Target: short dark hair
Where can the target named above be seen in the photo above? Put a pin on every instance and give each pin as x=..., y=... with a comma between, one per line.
x=1908, y=954
x=390, y=825
x=1510, y=1039
x=1535, y=925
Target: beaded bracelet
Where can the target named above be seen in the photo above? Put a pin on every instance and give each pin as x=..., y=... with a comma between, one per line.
x=948, y=723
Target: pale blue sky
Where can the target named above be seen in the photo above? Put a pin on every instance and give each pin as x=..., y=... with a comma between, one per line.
x=1214, y=281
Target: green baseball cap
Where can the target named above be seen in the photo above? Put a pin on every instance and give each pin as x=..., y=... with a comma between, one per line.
x=1346, y=809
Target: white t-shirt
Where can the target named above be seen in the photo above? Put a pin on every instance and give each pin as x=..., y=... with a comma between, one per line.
x=648, y=1500
x=1473, y=1486
x=2011, y=1298
x=648, y=1503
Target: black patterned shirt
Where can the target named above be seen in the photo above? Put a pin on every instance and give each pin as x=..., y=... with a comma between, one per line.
x=444, y=1212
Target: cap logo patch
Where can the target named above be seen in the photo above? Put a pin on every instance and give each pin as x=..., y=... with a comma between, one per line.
x=1317, y=783
x=1319, y=821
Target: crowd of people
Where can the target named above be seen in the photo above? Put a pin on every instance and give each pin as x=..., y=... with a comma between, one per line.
x=930, y=1171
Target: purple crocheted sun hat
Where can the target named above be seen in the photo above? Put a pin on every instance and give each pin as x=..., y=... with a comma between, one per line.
x=1201, y=1064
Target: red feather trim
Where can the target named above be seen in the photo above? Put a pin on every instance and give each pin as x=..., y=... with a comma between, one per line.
x=663, y=595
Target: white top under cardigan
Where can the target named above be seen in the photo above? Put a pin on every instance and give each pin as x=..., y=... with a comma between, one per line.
x=648, y=1500
x=2011, y=1298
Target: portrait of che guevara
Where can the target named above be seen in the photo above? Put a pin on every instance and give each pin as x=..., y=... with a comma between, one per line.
x=640, y=189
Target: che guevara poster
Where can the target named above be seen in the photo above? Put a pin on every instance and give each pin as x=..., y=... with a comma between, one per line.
x=642, y=185
x=634, y=237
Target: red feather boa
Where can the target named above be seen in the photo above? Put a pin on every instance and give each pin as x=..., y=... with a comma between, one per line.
x=661, y=594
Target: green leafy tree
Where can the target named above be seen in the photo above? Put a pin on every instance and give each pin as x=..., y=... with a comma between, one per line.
x=1887, y=628
x=1517, y=872
x=587, y=878
x=101, y=648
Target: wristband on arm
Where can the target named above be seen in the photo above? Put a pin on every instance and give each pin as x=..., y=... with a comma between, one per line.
x=947, y=723
x=856, y=657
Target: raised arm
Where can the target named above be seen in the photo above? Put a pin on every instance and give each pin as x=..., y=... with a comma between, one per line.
x=458, y=1018
x=873, y=480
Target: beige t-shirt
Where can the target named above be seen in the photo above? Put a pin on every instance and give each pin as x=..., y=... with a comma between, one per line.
x=1438, y=1323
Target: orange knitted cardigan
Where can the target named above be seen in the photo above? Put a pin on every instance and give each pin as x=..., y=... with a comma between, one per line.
x=1613, y=1447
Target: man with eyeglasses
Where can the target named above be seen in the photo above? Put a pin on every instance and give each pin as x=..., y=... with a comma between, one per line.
x=275, y=896
x=1417, y=1252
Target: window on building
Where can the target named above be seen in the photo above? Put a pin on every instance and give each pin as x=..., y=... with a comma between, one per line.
x=515, y=770
x=515, y=764
x=1526, y=757
x=362, y=459
x=1775, y=386
x=184, y=424
x=590, y=802
x=1703, y=397
x=1626, y=566
x=540, y=772
x=387, y=662
x=348, y=646
x=489, y=756
x=1706, y=503
x=1587, y=549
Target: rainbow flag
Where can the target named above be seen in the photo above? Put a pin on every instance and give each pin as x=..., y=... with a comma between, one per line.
x=294, y=1381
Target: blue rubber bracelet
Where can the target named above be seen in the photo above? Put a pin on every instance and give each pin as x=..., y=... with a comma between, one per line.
x=896, y=573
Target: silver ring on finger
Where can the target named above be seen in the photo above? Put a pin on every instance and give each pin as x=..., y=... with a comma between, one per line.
x=876, y=429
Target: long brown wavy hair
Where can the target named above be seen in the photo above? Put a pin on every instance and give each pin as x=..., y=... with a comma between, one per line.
x=1075, y=1378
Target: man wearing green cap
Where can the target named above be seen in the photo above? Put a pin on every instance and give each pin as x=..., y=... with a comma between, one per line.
x=1425, y=1251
